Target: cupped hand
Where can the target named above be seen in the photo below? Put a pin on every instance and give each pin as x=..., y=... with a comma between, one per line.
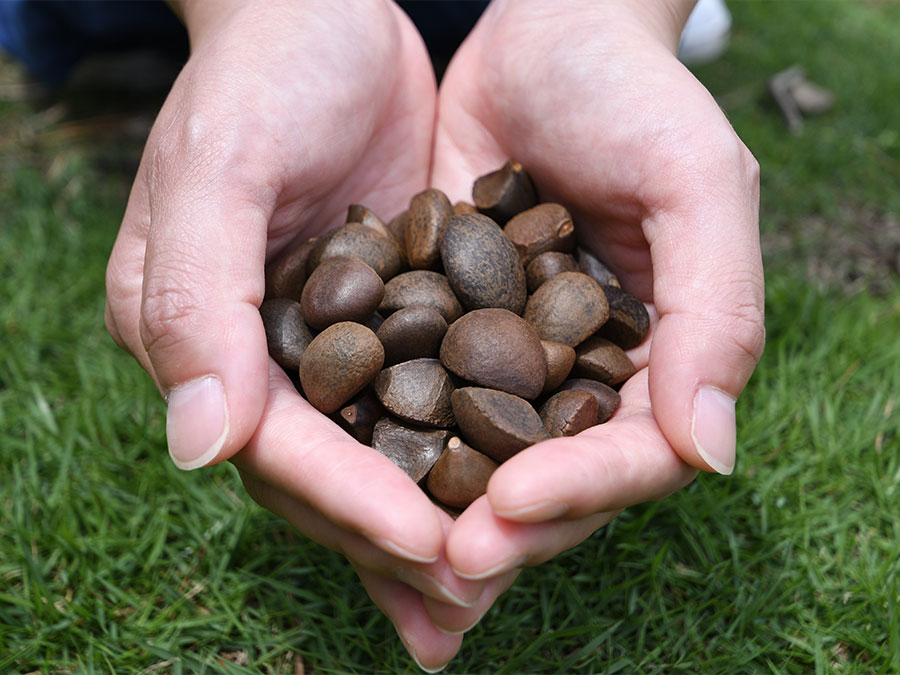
x=590, y=98
x=284, y=114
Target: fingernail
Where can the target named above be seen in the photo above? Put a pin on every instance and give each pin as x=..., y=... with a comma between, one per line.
x=399, y=551
x=196, y=422
x=412, y=653
x=713, y=429
x=535, y=512
x=425, y=582
x=508, y=564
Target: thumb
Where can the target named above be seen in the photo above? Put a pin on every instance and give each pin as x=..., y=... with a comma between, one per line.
x=203, y=282
x=708, y=290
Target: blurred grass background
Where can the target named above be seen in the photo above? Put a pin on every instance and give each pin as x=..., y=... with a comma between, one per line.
x=111, y=560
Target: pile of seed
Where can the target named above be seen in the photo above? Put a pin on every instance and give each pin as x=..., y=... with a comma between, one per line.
x=446, y=338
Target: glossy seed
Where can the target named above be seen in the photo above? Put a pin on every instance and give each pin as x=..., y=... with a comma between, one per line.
x=604, y=361
x=568, y=308
x=560, y=358
x=286, y=274
x=496, y=348
x=546, y=266
x=287, y=335
x=459, y=208
x=589, y=264
x=359, y=416
x=413, y=450
x=545, y=227
x=357, y=213
x=421, y=287
x=628, y=321
x=496, y=423
x=607, y=398
x=504, y=193
x=341, y=289
x=417, y=391
x=460, y=475
x=338, y=364
x=569, y=412
x=412, y=333
x=482, y=265
x=354, y=240
x=428, y=215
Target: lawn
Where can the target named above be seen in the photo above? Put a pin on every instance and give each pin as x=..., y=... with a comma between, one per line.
x=112, y=560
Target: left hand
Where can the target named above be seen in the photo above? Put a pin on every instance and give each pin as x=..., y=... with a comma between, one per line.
x=591, y=99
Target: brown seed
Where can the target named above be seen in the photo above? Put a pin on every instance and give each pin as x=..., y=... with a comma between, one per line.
x=545, y=227
x=429, y=213
x=482, y=265
x=628, y=320
x=357, y=213
x=607, y=398
x=601, y=360
x=374, y=322
x=413, y=450
x=417, y=391
x=354, y=240
x=287, y=334
x=568, y=308
x=341, y=289
x=596, y=270
x=547, y=265
x=286, y=274
x=338, y=364
x=397, y=228
x=412, y=333
x=358, y=418
x=459, y=208
x=560, y=359
x=461, y=474
x=421, y=287
x=496, y=348
x=496, y=423
x=569, y=412
x=505, y=192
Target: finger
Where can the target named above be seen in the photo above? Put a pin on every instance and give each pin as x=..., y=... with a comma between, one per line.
x=436, y=579
x=429, y=647
x=625, y=461
x=210, y=204
x=481, y=544
x=708, y=290
x=303, y=453
x=459, y=620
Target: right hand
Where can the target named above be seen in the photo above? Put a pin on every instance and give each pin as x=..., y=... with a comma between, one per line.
x=284, y=114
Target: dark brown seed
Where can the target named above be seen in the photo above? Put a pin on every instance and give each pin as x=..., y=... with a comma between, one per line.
x=417, y=391
x=358, y=418
x=341, y=289
x=413, y=450
x=374, y=322
x=596, y=270
x=628, y=320
x=568, y=308
x=607, y=398
x=545, y=227
x=397, y=229
x=496, y=423
x=354, y=240
x=482, y=265
x=357, y=213
x=338, y=364
x=560, y=359
x=421, y=287
x=412, y=333
x=286, y=274
x=461, y=474
x=601, y=360
x=505, y=192
x=496, y=348
x=429, y=213
x=287, y=334
x=569, y=412
x=546, y=266
x=459, y=208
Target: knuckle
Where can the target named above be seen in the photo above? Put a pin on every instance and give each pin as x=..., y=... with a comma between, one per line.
x=745, y=326
x=169, y=313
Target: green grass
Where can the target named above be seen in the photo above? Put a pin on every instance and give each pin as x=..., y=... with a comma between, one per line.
x=111, y=560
